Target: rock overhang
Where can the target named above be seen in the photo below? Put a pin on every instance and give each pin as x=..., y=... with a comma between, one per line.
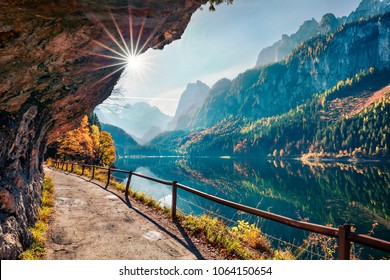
x=53, y=56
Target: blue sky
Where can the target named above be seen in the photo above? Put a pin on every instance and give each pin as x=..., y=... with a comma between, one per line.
x=219, y=44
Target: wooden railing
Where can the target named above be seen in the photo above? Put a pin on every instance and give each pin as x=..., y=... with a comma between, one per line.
x=343, y=233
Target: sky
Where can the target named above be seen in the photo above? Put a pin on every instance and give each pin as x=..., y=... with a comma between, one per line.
x=217, y=45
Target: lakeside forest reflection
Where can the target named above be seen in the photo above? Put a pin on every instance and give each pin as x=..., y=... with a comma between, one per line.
x=330, y=193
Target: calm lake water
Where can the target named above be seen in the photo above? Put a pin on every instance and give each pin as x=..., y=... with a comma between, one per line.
x=324, y=193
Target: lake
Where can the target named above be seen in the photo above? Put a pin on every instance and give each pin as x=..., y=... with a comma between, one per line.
x=327, y=193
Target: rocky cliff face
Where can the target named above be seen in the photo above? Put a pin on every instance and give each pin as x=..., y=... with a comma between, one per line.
x=190, y=101
x=283, y=47
x=54, y=58
x=369, y=7
x=328, y=24
x=315, y=66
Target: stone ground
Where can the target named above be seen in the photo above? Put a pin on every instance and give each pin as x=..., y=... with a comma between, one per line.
x=94, y=223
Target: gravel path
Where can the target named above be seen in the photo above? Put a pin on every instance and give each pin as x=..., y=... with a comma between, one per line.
x=90, y=222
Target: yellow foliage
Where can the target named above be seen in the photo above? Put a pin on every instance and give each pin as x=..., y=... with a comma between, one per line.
x=88, y=144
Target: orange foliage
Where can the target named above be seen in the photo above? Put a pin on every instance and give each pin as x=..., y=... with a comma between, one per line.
x=87, y=144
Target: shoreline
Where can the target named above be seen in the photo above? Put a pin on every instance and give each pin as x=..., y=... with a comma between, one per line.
x=343, y=159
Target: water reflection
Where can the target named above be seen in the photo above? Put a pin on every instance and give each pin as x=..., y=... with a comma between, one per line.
x=325, y=193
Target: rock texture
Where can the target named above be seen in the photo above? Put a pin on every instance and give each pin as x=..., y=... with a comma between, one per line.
x=369, y=7
x=328, y=24
x=50, y=76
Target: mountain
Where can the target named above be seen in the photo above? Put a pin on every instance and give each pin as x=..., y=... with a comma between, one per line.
x=283, y=47
x=330, y=97
x=136, y=119
x=313, y=67
x=216, y=96
x=351, y=119
x=190, y=102
x=368, y=8
x=328, y=24
x=122, y=140
x=150, y=134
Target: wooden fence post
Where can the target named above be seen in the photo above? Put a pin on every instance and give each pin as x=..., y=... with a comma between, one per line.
x=82, y=169
x=344, y=243
x=71, y=168
x=128, y=183
x=108, y=177
x=93, y=172
x=174, y=200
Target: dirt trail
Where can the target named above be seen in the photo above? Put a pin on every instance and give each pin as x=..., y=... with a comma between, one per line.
x=90, y=222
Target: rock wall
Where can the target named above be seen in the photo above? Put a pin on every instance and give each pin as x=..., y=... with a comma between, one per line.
x=53, y=56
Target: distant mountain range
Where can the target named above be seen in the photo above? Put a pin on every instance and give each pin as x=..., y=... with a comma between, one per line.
x=140, y=120
x=330, y=96
x=328, y=24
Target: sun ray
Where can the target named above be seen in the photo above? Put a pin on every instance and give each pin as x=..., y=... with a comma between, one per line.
x=108, y=48
x=109, y=75
x=120, y=53
x=100, y=67
x=112, y=37
x=158, y=26
x=108, y=66
x=102, y=55
x=131, y=32
x=120, y=35
x=139, y=36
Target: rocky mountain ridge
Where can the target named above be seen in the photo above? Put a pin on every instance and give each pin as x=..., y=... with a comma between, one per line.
x=314, y=66
x=190, y=101
x=328, y=24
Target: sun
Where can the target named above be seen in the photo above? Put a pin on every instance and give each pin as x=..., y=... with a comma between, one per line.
x=133, y=61
x=124, y=54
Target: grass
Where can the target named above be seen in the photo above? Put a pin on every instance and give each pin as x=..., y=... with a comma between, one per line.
x=37, y=250
x=244, y=241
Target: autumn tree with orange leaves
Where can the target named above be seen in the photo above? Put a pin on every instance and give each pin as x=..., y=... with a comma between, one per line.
x=87, y=144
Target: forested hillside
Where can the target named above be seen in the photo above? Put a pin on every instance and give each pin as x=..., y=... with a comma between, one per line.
x=362, y=129
x=313, y=67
